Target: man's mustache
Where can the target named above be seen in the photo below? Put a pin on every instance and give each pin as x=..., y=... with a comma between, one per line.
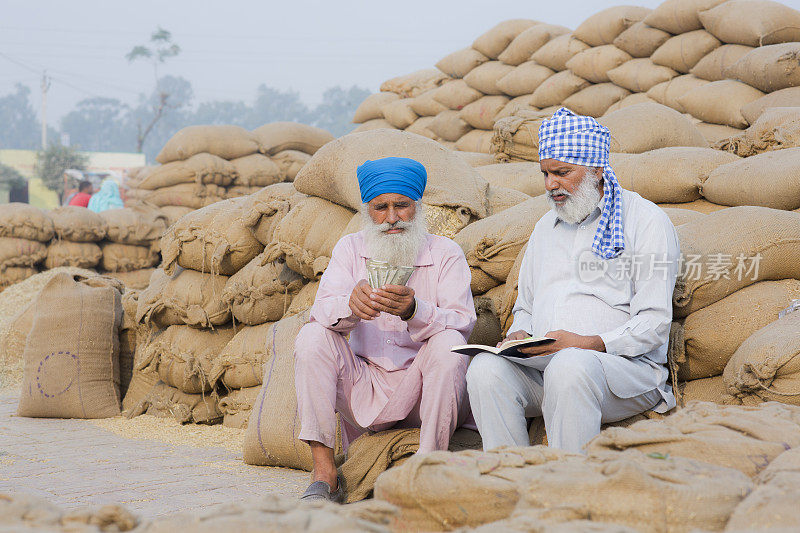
x=386, y=226
x=557, y=192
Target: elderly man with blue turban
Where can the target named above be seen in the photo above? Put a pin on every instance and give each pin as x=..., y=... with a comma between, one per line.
x=380, y=357
x=597, y=275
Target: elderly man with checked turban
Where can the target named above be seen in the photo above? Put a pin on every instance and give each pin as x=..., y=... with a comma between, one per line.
x=597, y=275
x=396, y=368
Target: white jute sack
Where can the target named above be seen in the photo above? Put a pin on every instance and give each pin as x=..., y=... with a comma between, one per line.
x=261, y=291
x=713, y=65
x=290, y=162
x=778, y=128
x=529, y=41
x=642, y=127
x=703, y=343
x=669, y=175
x=371, y=107
x=783, y=98
x=475, y=147
x=524, y=79
x=240, y=364
x=279, y=136
x=425, y=105
x=484, y=78
x=558, y=51
x=237, y=405
x=185, y=297
x=74, y=254
x=449, y=126
x=679, y=16
x=766, y=366
x=495, y=40
x=523, y=177
x=752, y=22
x=669, y=92
x=557, y=88
x=214, y=239
x=186, y=195
x=266, y=208
x=641, y=40
x=603, y=27
x=768, y=241
x=24, y=221
x=399, y=113
x=21, y=252
x=134, y=226
x=640, y=75
x=256, y=170
x=733, y=184
x=374, y=124
x=415, y=83
x=633, y=99
x=682, y=52
x=595, y=100
x=77, y=224
x=421, y=126
x=769, y=68
x=481, y=113
x=227, y=142
x=456, y=94
x=200, y=168
x=331, y=172
x=593, y=64
x=459, y=63
x=127, y=257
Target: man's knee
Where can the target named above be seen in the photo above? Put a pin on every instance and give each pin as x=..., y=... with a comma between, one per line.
x=312, y=341
x=571, y=369
x=438, y=356
x=486, y=374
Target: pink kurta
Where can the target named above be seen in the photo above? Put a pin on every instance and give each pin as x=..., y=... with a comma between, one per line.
x=391, y=370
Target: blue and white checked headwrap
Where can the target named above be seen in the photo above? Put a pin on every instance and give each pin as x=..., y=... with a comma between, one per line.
x=580, y=140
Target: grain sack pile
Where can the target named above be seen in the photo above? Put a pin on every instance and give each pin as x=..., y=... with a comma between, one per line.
x=25, y=232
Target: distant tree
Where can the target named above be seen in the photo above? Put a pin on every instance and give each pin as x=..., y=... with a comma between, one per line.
x=20, y=127
x=273, y=105
x=223, y=112
x=335, y=112
x=10, y=178
x=99, y=124
x=51, y=164
x=177, y=113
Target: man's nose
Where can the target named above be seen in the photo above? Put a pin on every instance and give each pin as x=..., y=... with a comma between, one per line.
x=391, y=216
x=550, y=184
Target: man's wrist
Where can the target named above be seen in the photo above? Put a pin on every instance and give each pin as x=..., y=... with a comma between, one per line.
x=411, y=312
x=594, y=342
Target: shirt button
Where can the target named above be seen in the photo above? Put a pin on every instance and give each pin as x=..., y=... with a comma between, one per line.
x=583, y=227
x=388, y=342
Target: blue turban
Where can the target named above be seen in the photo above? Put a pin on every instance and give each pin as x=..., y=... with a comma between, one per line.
x=398, y=175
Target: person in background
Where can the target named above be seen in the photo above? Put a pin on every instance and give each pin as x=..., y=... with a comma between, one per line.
x=107, y=197
x=83, y=196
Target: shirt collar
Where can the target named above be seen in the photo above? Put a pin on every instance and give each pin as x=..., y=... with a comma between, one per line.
x=594, y=214
x=424, y=257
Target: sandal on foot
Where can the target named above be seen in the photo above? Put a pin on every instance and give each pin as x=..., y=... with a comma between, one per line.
x=321, y=491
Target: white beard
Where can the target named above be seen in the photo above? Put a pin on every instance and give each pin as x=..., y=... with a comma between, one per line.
x=397, y=249
x=580, y=203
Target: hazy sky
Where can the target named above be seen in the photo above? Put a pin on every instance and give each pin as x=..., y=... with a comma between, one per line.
x=230, y=47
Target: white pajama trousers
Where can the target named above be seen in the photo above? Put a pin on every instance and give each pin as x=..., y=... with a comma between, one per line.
x=572, y=395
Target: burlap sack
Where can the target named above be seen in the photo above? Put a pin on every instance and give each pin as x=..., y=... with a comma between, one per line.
x=134, y=226
x=290, y=162
x=484, y=78
x=449, y=126
x=305, y=237
x=240, y=363
x=130, y=333
x=126, y=257
x=681, y=216
x=701, y=206
x=487, y=330
x=256, y=170
x=11, y=275
x=476, y=148
x=703, y=390
x=481, y=113
x=24, y=221
x=74, y=254
x=239, y=191
x=738, y=437
x=370, y=108
x=524, y=79
x=374, y=124
x=173, y=212
x=23, y=512
x=20, y=252
x=214, y=239
x=416, y=83
x=456, y=94
x=713, y=65
x=641, y=40
x=595, y=100
x=772, y=506
x=529, y=41
x=278, y=136
x=516, y=138
x=640, y=75
x=77, y=224
x=714, y=133
x=494, y=41
x=261, y=291
x=164, y=401
x=777, y=128
x=720, y=102
x=558, y=51
x=515, y=105
x=72, y=351
x=643, y=127
x=501, y=198
x=492, y=244
x=459, y=63
x=142, y=383
x=445, y=491
x=184, y=357
x=766, y=366
x=135, y=279
x=593, y=64
x=669, y=175
x=679, y=16
x=705, y=340
x=304, y=299
x=186, y=195
x=523, y=177
x=633, y=99
x=669, y=92
x=769, y=68
x=399, y=113
x=200, y=169
x=227, y=142
x=784, y=98
x=752, y=22
x=557, y=88
x=425, y=105
x=185, y=297
x=733, y=184
x=266, y=208
x=682, y=52
x=237, y=405
x=603, y=27
x=421, y=126
x=331, y=172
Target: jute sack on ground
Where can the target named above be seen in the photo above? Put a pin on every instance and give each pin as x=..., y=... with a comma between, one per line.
x=266, y=208
x=643, y=127
x=593, y=64
x=421, y=126
x=523, y=177
x=769, y=68
x=370, y=108
x=603, y=27
x=451, y=182
x=752, y=22
x=738, y=437
x=700, y=206
x=141, y=383
x=516, y=138
x=425, y=105
x=733, y=184
x=186, y=195
x=304, y=299
x=20, y=252
x=200, y=169
x=713, y=65
x=704, y=341
x=456, y=94
x=261, y=291
x=480, y=114
x=449, y=125
x=672, y=175
x=374, y=124
x=683, y=51
x=558, y=51
x=24, y=221
x=767, y=364
x=271, y=437
x=487, y=330
x=227, y=142
x=76, y=254
x=641, y=40
x=596, y=99
x=237, y=405
x=305, y=237
x=495, y=40
x=11, y=275
x=475, y=147
x=134, y=226
x=239, y=191
x=484, y=78
x=77, y=224
x=126, y=257
x=458, y=64
x=255, y=170
x=399, y=113
x=184, y=356
x=415, y=83
x=445, y=491
x=501, y=199
x=714, y=133
x=557, y=88
x=290, y=162
x=130, y=334
x=640, y=75
x=776, y=129
x=72, y=352
x=22, y=512
x=679, y=16
x=784, y=98
x=703, y=390
x=529, y=41
x=669, y=92
x=164, y=401
x=185, y=297
x=524, y=79
x=173, y=213
x=214, y=239
x=746, y=231
x=720, y=102
x=240, y=364
x=135, y=279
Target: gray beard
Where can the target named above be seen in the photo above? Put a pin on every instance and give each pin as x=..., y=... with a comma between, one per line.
x=397, y=249
x=579, y=204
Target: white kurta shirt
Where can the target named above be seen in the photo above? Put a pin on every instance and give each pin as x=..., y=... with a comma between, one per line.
x=627, y=300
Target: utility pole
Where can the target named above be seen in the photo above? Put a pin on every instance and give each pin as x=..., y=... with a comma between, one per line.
x=45, y=87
